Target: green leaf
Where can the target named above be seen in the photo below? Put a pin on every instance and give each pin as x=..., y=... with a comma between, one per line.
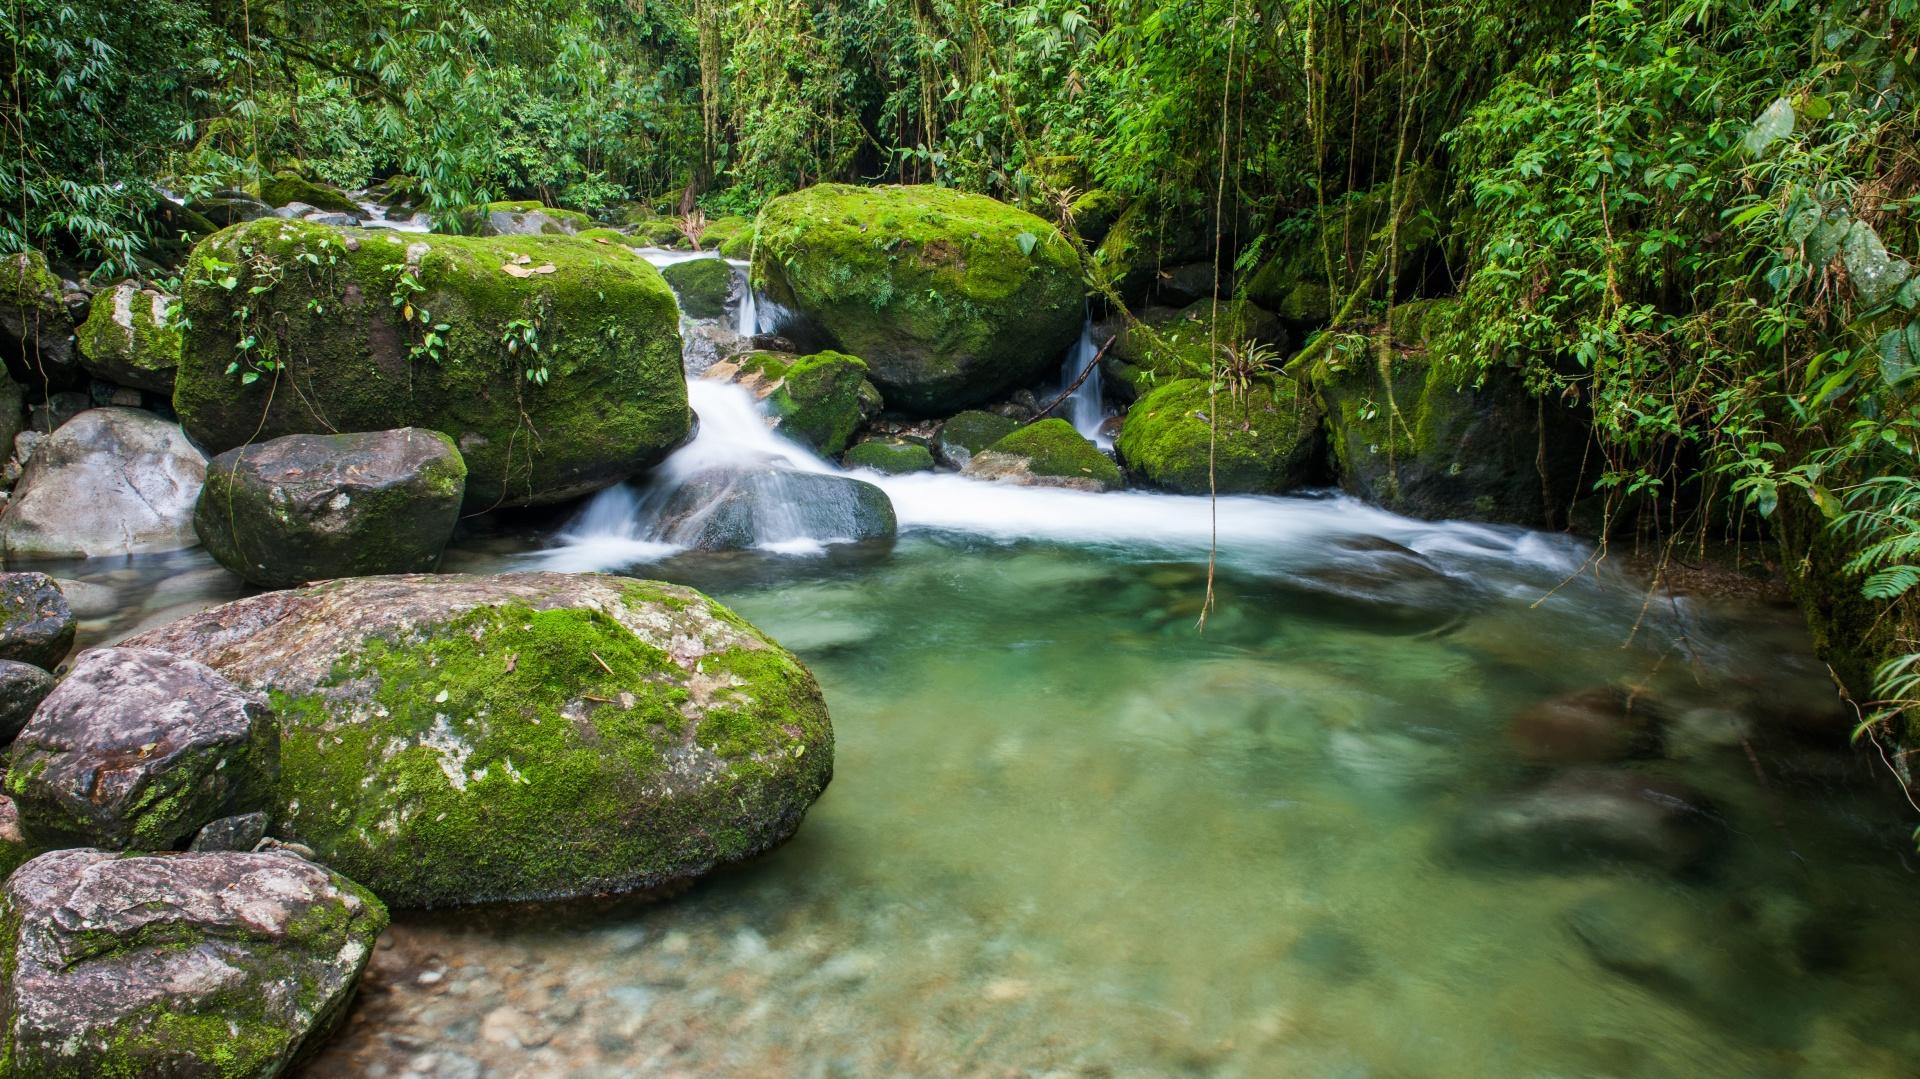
x=1823, y=498
x=1774, y=124
x=1027, y=241
x=1897, y=348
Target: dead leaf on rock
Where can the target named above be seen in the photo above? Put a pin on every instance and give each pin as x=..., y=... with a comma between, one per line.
x=513, y=270
x=522, y=259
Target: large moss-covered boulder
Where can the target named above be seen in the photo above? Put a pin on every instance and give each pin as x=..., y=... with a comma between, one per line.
x=728, y=235
x=552, y=362
x=460, y=739
x=1169, y=343
x=302, y=508
x=228, y=965
x=287, y=188
x=131, y=338
x=35, y=328
x=1143, y=242
x=951, y=298
x=1264, y=442
x=1048, y=453
x=703, y=286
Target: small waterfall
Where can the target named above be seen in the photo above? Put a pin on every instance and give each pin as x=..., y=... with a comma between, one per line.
x=1086, y=409
x=747, y=320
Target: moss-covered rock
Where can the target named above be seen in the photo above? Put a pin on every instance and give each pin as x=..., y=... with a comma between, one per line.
x=1095, y=212
x=287, y=188
x=951, y=298
x=1264, y=443
x=739, y=245
x=607, y=236
x=703, y=286
x=661, y=232
x=131, y=338
x=1143, y=241
x=968, y=433
x=1047, y=453
x=824, y=399
x=531, y=218
x=722, y=231
x=1173, y=343
x=1294, y=283
x=332, y=350
x=458, y=739
x=34, y=326
x=891, y=457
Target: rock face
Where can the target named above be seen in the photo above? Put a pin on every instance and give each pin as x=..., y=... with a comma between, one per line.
x=595, y=318
x=109, y=481
x=136, y=748
x=217, y=965
x=703, y=286
x=305, y=508
x=1171, y=343
x=459, y=739
x=950, y=298
x=22, y=687
x=967, y=434
x=1266, y=443
x=725, y=509
x=1049, y=453
x=36, y=624
x=34, y=319
x=130, y=338
x=821, y=400
x=889, y=456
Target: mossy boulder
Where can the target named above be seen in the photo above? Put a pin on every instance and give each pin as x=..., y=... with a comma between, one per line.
x=332, y=351
x=606, y=236
x=722, y=231
x=968, y=433
x=822, y=400
x=1095, y=212
x=531, y=218
x=890, y=456
x=302, y=508
x=1173, y=343
x=1141, y=243
x=461, y=739
x=1264, y=442
x=739, y=245
x=660, y=232
x=131, y=338
x=951, y=298
x=703, y=286
x=228, y=965
x=286, y=188
x=35, y=328
x=1047, y=453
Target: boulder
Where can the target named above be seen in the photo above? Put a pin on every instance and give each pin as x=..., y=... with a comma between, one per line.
x=890, y=456
x=529, y=218
x=819, y=401
x=35, y=328
x=451, y=739
x=1143, y=241
x=966, y=434
x=110, y=481
x=1588, y=727
x=228, y=964
x=223, y=208
x=703, y=285
x=288, y=189
x=302, y=508
x=726, y=509
x=552, y=362
x=1384, y=588
x=22, y=687
x=242, y=831
x=1584, y=815
x=137, y=748
x=1174, y=343
x=15, y=851
x=1264, y=442
x=950, y=298
x=1047, y=453
x=36, y=623
x=131, y=339
x=50, y=412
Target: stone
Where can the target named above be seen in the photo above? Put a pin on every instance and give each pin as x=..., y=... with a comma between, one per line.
x=138, y=748
x=223, y=208
x=22, y=687
x=111, y=481
x=15, y=851
x=1265, y=442
x=1144, y=239
x=34, y=323
x=215, y=964
x=966, y=434
x=1046, y=453
x=528, y=218
x=820, y=401
x=889, y=456
x=703, y=285
x=950, y=298
x=1191, y=342
x=608, y=397
x=731, y=509
x=1588, y=727
x=450, y=739
x=1588, y=814
x=52, y=411
x=287, y=189
x=36, y=624
x=302, y=508
x=130, y=338
x=242, y=831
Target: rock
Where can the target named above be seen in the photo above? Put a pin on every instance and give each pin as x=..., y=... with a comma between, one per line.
x=724, y=509
x=137, y=748
x=889, y=456
x=34, y=324
x=36, y=624
x=703, y=285
x=129, y=338
x=1095, y=212
x=110, y=481
x=1142, y=240
x=452, y=739
x=305, y=508
x=819, y=401
x=13, y=412
x=1590, y=727
x=243, y=831
x=1047, y=453
x=288, y=189
x=950, y=298
x=52, y=411
x=336, y=220
x=1264, y=443
x=1587, y=814
x=294, y=210
x=967, y=434
x=1192, y=282
x=1168, y=344
x=22, y=687
x=223, y=208
x=731, y=236
x=530, y=218
x=612, y=403
x=1384, y=588
x=228, y=964
x=15, y=851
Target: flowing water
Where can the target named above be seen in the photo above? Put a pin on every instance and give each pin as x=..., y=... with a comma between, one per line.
x=1071, y=833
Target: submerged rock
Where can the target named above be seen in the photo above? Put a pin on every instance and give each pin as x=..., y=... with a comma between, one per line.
x=967, y=434
x=229, y=964
x=110, y=481
x=594, y=323
x=305, y=508
x=889, y=456
x=131, y=338
x=1263, y=443
x=137, y=748
x=36, y=624
x=950, y=298
x=1588, y=814
x=1048, y=453
x=728, y=509
x=22, y=687
x=703, y=285
x=1589, y=727
x=459, y=739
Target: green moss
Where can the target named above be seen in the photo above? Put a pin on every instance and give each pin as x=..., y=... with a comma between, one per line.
x=702, y=284
x=739, y=245
x=722, y=231
x=969, y=432
x=890, y=457
x=563, y=221
x=823, y=399
x=614, y=401
x=660, y=232
x=1053, y=448
x=1142, y=242
x=286, y=188
x=1095, y=212
x=130, y=337
x=609, y=236
x=1265, y=443
x=27, y=284
x=1168, y=344
x=771, y=366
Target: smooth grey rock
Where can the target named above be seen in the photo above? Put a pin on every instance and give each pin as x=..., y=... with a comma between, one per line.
x=110, y=481
x=726, y=509
x=968, y=433
x=36, y=624
x=214, y=964
x=137, y=748
x=1585, y=815
x=22, y=687
x=337, y=220
x=240, y=832
x=313, y=507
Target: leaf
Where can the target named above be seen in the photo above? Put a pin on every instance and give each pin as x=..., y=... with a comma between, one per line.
x=1766, y=497
x=521, y=270
x=1891, y=583
x=1026, y=240
x=1823, y=498
x=1774, y=124
x=1897, y=357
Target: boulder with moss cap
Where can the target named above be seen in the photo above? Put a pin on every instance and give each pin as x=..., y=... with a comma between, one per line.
x=703, y=286
x=891, y=456
x=1264, y=441
x=609, y=398
x=131, y=338
x=287, y=188
x=821, y=400
x=950, y=298
x=1047, y=453
x=462, y=739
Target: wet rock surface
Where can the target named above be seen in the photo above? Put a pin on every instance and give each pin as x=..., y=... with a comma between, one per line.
x=22, y=687
x=729, y=509
x=36, y=624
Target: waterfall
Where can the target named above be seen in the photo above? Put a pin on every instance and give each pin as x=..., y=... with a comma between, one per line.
x=1086, y=409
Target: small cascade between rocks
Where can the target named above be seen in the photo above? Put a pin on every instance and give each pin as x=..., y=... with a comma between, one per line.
x=1086, y=409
